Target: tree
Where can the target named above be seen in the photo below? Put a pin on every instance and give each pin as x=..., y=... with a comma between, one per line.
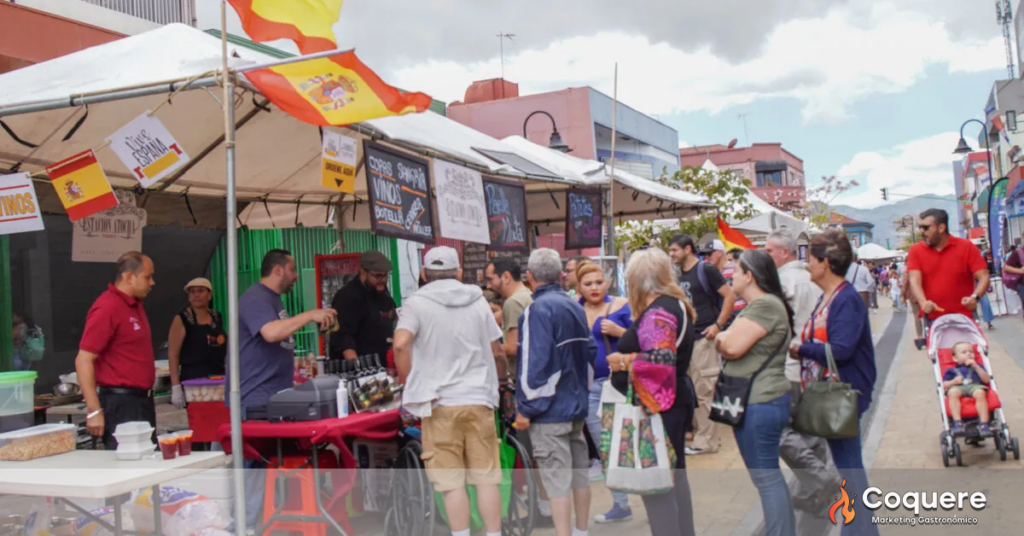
x=818, y=206
x=726, y=189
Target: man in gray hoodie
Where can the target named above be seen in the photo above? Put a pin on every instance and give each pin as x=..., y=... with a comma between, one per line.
x=808, y=456
x=449, y=356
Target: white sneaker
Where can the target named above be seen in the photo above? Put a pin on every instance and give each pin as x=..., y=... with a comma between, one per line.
x=596, y=472
x=691, y=451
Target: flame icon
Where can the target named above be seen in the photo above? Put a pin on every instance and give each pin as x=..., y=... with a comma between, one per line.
x=847, y=503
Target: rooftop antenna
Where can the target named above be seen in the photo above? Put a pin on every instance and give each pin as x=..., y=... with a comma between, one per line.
x=501, y=43
x=746, y=136
x=1004, y=16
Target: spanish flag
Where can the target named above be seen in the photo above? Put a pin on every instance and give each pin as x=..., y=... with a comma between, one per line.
x=731, y=237
x=337, y=90
x=307, y=22
x=81, y=185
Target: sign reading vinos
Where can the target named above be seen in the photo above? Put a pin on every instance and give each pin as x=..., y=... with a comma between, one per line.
x=506, y=215
x=582, y=219
x=399, y=187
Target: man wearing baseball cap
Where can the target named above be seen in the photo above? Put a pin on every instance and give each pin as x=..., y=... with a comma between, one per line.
x=716, y=255
x=445, y=347
x=366, y=311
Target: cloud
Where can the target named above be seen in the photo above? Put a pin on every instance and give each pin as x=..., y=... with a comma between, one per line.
x=683, y=144
x=919, y=167
x=829, y=63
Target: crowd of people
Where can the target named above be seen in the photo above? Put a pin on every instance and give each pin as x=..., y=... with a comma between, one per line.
x=564, y=347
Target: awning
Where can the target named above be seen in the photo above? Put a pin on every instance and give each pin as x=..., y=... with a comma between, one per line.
x=981, y=203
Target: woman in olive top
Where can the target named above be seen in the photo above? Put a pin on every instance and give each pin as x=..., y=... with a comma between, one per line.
x=761, y=333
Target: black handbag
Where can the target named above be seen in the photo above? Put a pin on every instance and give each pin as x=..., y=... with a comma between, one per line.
x=729, y=404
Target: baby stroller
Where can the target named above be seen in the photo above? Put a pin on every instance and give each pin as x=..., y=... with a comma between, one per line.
x=944, y=333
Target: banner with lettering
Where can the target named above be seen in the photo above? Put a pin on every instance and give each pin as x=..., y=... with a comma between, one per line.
x=19, y=206
x=461, y=209
x=105, y=236
x=399, y=187
x=147, y=149
x=582, y=219
x=506, y=214
x=339, y=162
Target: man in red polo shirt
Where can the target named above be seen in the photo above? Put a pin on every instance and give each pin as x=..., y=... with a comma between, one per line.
x=947, y=273
x=116, y=352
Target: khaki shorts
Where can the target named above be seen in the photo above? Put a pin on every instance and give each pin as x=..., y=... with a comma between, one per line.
x=460, y=446
x=967, y=390
x=560, y=451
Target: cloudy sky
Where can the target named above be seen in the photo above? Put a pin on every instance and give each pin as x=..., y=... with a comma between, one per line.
x=867, y=89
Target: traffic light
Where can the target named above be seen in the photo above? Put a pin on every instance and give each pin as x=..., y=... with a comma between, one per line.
x=885, y=194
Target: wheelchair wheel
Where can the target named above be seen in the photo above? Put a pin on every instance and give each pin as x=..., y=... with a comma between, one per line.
x=412, y=496
x=522, y=509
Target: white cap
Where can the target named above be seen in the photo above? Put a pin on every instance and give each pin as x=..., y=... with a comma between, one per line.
x=717, y=245
x=441, y=259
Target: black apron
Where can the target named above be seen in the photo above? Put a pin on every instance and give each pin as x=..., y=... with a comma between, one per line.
x=204, y=348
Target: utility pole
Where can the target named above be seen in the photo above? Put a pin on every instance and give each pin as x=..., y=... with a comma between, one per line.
x=746, y=136
x=501, y=44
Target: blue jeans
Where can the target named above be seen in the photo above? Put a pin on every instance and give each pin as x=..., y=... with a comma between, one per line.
x=846, y=453
x=986, y=309
x=758, y=439
x=594, y=427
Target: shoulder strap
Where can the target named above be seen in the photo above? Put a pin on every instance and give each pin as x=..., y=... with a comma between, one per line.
x=702, y=276
x=771, y=358
x=686, y=320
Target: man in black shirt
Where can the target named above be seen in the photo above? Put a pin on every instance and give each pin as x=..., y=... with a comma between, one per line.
x=366, y=312
x=713, y=300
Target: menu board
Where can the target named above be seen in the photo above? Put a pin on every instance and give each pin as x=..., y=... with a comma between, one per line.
x=506, y=214
x=476, y=257
x=582, y=219
x=399, y=187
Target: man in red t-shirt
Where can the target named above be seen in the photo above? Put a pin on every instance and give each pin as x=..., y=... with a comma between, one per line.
x=116, y=352
x=947, y=273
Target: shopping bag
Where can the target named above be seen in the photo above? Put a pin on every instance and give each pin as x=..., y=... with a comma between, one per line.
x=635, y=451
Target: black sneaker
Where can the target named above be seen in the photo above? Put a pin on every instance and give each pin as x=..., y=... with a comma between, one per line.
x=958, y=429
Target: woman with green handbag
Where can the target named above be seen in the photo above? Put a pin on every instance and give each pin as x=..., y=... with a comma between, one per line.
x=839, y=331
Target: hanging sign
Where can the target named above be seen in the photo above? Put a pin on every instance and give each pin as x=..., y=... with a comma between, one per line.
x=147, y=149
x=81, y=185
x=105, y=236
x=19, y=206
x=461, y=210
x=339, y=162
x=506, y=214
x=582, y=219
x=399, y=187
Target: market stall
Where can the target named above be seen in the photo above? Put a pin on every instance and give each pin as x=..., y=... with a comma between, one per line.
x=876, y=253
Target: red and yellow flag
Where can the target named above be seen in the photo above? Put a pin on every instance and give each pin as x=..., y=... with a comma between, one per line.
x=337, y=90
x=81, y=185
x=307, y=22
x=731, y=237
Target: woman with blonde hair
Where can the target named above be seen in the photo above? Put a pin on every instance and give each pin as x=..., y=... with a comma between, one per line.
x=661, y=334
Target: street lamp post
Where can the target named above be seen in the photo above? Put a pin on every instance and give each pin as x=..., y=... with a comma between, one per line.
x=963, y=148
x=555, y=142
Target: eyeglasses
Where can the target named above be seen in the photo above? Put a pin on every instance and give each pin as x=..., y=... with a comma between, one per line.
x=925, y=227
x=377, y=275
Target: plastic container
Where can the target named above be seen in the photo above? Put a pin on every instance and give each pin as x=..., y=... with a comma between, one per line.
x=38, y=442
x=184, y=442
x=133, y=432
x=135, y=451
x=17, y=392
x=10, y=423
x=203, y=390
x=168, y=445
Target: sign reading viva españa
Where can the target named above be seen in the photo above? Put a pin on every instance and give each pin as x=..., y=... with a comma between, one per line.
x=339, y=162
x=81, y=185
x=19, y=206
x=147, y=149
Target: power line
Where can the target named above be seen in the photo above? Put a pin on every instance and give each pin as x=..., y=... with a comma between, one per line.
x=501, y=44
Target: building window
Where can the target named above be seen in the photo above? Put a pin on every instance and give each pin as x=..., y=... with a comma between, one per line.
x=767, y=179
x=1011, y=121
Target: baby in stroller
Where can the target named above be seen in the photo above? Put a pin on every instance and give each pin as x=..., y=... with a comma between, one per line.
x=967, y=378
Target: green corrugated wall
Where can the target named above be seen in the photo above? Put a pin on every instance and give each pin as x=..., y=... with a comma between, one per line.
x=304, y=243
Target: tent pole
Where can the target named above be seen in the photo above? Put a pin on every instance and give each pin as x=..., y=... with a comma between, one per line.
x=232, y=276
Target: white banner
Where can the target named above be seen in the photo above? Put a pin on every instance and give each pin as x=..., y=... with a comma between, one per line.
x=147, y=149
x=105, y=236
x=461, y=208
x=19, y=206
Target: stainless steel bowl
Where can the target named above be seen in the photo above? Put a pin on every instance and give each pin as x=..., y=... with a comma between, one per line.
x=65, y=389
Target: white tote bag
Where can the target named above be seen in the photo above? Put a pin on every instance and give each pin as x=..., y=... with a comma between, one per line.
x=637, y=456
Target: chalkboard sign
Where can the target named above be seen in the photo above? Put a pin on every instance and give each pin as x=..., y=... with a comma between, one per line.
x=399, y=187
x=582, y=219
x=506, y=215
x=476, y=257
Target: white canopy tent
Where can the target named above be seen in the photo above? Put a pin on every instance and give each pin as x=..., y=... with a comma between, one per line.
x=768, y=218
x=875, y=252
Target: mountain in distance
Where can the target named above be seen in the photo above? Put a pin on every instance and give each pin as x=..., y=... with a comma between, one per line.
x=883, y=216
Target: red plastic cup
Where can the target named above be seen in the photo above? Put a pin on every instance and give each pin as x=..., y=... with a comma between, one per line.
x=168, y=445
x=184, y=442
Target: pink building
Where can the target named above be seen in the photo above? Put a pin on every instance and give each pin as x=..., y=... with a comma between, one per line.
x=775, y=174
x=583, y=116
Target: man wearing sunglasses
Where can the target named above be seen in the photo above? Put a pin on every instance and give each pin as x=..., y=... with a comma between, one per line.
x=366, y=311
x=947, y=273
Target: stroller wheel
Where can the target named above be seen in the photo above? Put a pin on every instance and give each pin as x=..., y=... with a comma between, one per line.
x=945, y=454
x=956, y=454
x=1001, y=446
x=1015, y=446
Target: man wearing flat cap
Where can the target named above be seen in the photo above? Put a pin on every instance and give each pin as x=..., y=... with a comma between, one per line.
x=366, y=311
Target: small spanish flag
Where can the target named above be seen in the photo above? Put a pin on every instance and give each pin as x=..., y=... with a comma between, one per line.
x=81, y=185
x=337, y=90
x=306, y=22
x=731, y=237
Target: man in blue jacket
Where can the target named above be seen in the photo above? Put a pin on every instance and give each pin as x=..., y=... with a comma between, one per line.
x=556, y=352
